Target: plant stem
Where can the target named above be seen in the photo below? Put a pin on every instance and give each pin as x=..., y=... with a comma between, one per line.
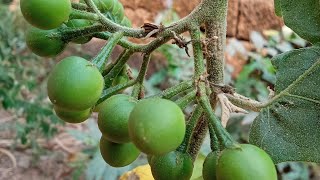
x=191, y=124
x=121, y=61
x=113, y=90
x=244, y=102
x=199, y=132
x=198, y=135
x=80, y=6
x=197, y=53
x=216, y=30
x=175, y=90
x=67, y=34
x=187, y=99
x=214, y=142
x=138, y=87
x=114, y=27
x=79, y=14
x=101, y=59
x=226, y=141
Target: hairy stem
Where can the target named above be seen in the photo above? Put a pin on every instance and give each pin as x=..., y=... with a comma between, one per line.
x=113, y=90
x=79, y=14
x=175, y=90
x=101, y=59
x=226, y=141
x=187, y=99
x=114, y=27
x=191, y=125
x=214, y=142
x=122, y=60
x=138, y=87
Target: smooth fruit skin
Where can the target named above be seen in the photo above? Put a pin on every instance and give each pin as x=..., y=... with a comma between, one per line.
x=156, y=126
x=75, y=84
x=118, y=155
x=79, y=23
x=246, y=163
x=210, y=166
x=46, y=14
x=173, y=166
x=38, y=42
x=114, y=116
x=72, y=116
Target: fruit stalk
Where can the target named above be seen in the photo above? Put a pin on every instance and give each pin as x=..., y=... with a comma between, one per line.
x=121, y=61
x=101, y=59
x=138, y=87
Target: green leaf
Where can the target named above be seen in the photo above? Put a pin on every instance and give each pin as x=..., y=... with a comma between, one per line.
x=303, y=17
x=288, y=127
x=277, y=7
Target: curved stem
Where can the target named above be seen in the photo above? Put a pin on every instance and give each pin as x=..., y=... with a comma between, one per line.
x=114, y=27
x=102, y=57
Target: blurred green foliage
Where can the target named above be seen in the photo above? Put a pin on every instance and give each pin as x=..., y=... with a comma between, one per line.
x=22, y=82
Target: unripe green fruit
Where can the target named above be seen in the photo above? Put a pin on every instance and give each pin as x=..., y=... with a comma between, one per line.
x=46, y=14
x=246, y=163
x=75, y=84
x=173, y=165
x=118, y=155
x=156, y=126
x=38, y=42
x=210, y=166
x=114, y=116
x=72, y=116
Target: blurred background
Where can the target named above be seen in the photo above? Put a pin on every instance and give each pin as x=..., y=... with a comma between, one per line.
x=35, y=144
